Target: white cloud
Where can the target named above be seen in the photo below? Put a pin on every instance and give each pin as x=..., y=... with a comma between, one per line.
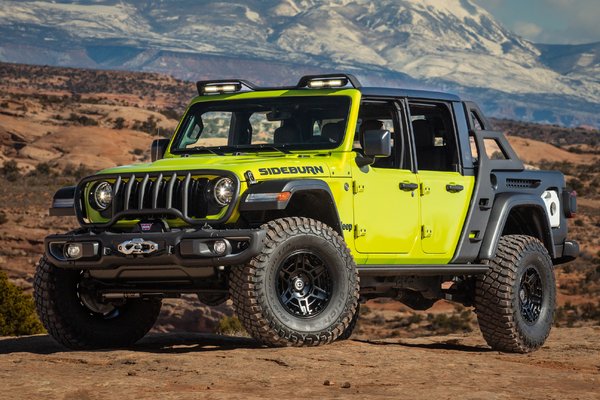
x=528, y=30
x=559, y=21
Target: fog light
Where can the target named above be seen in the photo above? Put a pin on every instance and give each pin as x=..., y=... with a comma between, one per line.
x=74, y=250
x=220, y=247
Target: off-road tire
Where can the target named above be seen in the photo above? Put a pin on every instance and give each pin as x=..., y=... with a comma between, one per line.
x=254, y=291
x=498, y=301
x=212, y=300
x=350, y=329
x=73, y=325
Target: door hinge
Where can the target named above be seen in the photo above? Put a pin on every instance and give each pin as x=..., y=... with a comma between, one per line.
x=357, y=188
x=358, y=231
x=426, y=231
x=425, y=190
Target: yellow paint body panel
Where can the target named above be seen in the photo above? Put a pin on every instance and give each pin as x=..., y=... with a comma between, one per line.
x=386, y=218
x=387, y=222
x=443, y=212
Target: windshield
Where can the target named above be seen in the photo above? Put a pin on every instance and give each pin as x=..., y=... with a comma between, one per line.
x=273, y=124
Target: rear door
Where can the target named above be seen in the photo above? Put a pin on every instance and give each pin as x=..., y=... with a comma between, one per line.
x=444, y=192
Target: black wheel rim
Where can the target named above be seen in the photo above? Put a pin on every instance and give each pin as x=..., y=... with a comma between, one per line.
x=92, y=305
x=304, y=284
x=531, y=295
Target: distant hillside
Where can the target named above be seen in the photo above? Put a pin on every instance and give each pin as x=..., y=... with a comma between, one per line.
x=66, y=117
x=582, y=59
x=553, y=134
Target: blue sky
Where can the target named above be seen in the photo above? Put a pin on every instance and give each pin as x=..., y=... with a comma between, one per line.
x=549, y=21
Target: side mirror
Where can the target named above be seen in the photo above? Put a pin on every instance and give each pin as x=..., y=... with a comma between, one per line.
x=158, y=149
x=377, y=143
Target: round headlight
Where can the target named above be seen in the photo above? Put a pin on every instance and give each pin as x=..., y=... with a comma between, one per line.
x=103, y=195
x=223, y=191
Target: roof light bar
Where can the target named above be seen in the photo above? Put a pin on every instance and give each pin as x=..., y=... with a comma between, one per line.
x=323, y=83
x=306, y=82
x=328, y=81
x=223, y=86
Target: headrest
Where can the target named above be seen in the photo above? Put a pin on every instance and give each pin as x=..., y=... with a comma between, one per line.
x=333, y=131
x=370, y=125
x=424, y=133
x=286, y=134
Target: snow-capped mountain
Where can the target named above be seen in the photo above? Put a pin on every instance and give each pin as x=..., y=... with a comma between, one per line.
x=448, y=44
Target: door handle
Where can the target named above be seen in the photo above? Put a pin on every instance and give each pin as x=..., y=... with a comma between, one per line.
x=408, y=187
x=453, y=188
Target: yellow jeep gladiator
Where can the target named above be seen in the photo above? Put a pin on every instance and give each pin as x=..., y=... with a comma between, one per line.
x=299, y=202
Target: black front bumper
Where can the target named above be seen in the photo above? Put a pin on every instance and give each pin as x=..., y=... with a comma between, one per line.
x=185, y=248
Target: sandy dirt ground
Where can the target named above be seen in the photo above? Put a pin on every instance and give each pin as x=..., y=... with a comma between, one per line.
x=195, y=366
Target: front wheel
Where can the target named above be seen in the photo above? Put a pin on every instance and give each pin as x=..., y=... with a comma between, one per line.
x=77, y=318
x=514, y=300
x=301, y=290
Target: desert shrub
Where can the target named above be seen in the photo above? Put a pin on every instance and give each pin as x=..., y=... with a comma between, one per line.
x=450, y=323
x=414, y=318
x=4, y=104
x=119, y=123
x=138, y=152
x=230, y=326
x=3, y=218
x=571, y=315
x=577, y=185
x=17, y=311
x=82, y=120
x=170, y=113
x=149, y=125
x=42, y=169
x=11, y=170
x=77, y=172
x=578, y=222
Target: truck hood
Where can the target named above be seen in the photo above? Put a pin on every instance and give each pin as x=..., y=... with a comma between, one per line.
x=261, y=166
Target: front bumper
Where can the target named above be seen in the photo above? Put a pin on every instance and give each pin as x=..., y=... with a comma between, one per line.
x=185, y=248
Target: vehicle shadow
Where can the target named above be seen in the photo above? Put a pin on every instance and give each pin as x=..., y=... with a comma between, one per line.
x=177, y=342
x=186, y=342
x=451, y=345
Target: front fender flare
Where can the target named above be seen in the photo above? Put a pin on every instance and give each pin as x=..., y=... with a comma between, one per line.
x=288, y=185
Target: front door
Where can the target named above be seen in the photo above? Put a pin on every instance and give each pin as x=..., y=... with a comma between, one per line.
x=386, y=211
x=386, y=195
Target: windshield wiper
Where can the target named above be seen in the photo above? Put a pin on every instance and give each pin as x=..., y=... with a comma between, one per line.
x=267, y=147
x=199, y=149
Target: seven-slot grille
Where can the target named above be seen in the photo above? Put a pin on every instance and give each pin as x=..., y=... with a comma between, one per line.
x=144, y=192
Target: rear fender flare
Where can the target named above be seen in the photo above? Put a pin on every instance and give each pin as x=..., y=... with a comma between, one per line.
x=503, y=205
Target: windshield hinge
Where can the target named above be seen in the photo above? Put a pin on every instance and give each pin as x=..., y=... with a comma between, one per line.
x=357, y=188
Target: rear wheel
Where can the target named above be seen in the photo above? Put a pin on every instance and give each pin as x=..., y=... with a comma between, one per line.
x=515, y=299
x=301, y=290
x=77, y=318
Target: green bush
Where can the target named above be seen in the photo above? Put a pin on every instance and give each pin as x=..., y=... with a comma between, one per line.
x=17, y=311
x=119, y=123
x=11, y=170
x=77, y=172
x=450, y=323
x=230, y=326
